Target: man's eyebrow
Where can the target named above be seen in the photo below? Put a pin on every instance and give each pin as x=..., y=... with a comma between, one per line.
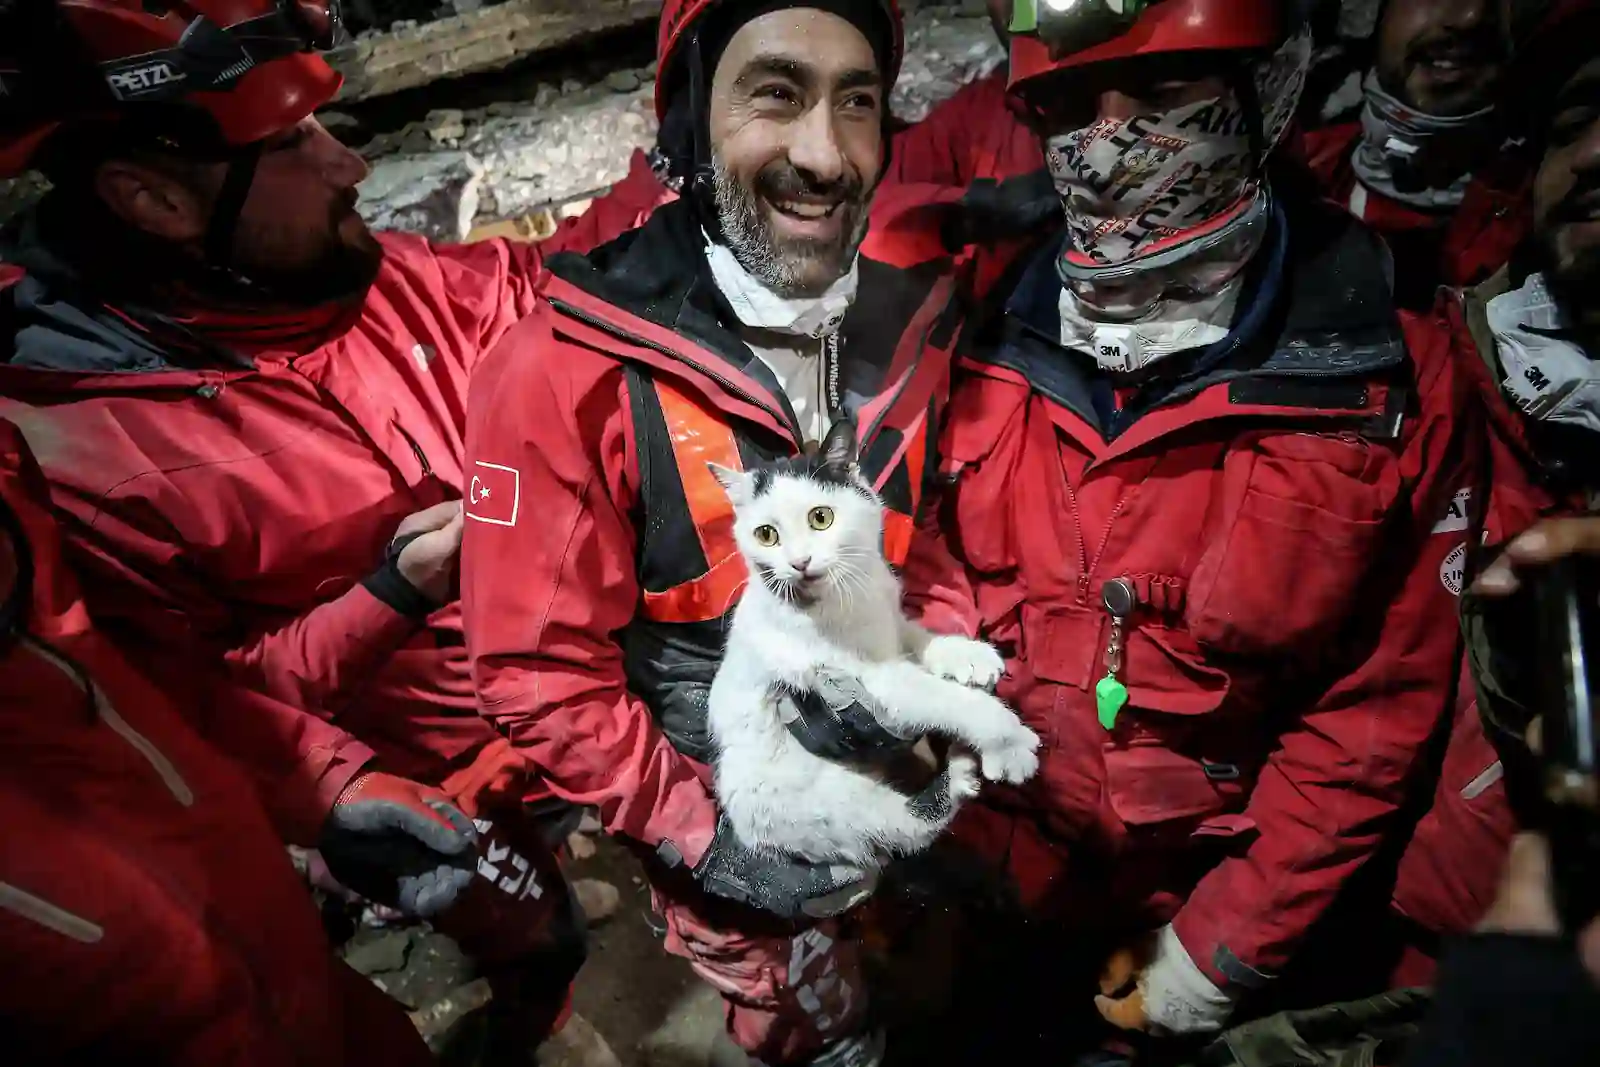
x=859, y=78
x=767, y=66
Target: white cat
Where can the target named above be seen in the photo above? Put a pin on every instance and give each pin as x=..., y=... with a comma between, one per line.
x=822, y=613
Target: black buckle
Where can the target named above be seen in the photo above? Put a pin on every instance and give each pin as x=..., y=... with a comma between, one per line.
x=1221, y=772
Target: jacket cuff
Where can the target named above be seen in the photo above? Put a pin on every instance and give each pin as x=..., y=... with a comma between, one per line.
x=1221, y=966
x=300, y=814
x=1178, y=997
x=684, y=827
x=389, y=586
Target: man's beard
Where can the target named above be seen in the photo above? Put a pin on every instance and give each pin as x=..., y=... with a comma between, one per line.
x=790, y=267
x=1572, y=274
x=342, y=270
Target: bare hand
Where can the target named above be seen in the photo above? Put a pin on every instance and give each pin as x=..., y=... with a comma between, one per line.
x=429, y=562
x=1547, y=541
x=1526, y=904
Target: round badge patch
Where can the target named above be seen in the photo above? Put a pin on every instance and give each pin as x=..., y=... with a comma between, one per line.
x=1453, y=571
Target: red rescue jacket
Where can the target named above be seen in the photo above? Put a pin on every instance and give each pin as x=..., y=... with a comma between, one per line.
x=148, y=912
x=599, y=565
x=1455, y=249
x=1450, y=874
x=974, y=135
x=1282, y=520
x=234, y=499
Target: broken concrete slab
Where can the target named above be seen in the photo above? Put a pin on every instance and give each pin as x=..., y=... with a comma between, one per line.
x=435, y=195
x=478, y=39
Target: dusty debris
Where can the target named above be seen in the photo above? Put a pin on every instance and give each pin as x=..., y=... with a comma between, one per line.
x=479, y=38
x=438, y=1021
x=435, y=194
x=372, y=952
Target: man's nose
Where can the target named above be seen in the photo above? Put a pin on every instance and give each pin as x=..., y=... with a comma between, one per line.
x=342, y=165
x=814, y=146
x=1117, y=105
x=1586, y=152
x=1462, y=15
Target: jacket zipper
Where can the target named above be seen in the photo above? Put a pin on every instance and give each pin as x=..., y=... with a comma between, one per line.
x=616, y=331
x=1088, y=565
x=163, y=767
x=416, y=450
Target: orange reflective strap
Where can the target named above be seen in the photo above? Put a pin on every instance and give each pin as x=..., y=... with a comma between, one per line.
x=699, y=437
x=898, y=528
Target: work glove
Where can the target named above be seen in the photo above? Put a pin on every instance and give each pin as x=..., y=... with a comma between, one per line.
x=993, y=211
x=787, y=887
x=399, y=843
x=837, y=720
x=1155, y=987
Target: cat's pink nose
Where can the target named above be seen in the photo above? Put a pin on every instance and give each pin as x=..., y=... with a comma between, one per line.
x=800, y=566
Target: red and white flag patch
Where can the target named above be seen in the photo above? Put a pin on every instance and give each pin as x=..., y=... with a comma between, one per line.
x=494, y=494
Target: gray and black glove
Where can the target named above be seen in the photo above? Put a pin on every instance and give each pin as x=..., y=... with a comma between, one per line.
x=993, y=211
x=789, y=888
x=399, y=843
x=838, y=720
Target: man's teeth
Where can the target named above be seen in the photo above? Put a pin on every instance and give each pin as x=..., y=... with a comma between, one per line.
x=806, y=211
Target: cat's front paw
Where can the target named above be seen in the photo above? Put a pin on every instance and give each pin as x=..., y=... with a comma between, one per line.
x=1014, y=757
x=963, y=660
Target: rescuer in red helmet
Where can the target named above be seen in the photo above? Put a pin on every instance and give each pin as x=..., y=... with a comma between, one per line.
x=1436, y=164
x=737, y=326
x=1201, y=479
x=250, y=411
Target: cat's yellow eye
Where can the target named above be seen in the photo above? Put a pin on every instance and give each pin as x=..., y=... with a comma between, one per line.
x=766, y=536
x=820, y=518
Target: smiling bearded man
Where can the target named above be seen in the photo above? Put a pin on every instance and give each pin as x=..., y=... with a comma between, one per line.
x=726, y=330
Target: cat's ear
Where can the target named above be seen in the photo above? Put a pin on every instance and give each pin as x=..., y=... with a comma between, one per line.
x=735, y=483
x=839, y=447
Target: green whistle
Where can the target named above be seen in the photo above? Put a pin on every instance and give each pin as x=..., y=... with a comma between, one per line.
x=1024, y=16
x=1109, y=697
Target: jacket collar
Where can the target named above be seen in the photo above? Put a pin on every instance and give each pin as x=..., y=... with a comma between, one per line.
x=652, y=290
x=1317, y=308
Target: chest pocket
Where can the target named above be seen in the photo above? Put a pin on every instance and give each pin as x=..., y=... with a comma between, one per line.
x=1300, y=527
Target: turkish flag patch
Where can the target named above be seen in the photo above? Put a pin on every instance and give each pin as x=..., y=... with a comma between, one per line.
x=494, y=494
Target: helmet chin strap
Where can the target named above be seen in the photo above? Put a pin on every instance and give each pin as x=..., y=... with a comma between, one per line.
x=224, y=224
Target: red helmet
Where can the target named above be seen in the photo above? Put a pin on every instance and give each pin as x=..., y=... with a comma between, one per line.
x=247, y=68
x=679, y=17
x=1090, y=34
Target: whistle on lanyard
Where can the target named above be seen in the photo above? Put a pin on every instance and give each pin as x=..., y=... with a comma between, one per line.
x=1567, y=596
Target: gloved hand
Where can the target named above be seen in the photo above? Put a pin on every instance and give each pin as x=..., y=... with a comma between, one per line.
x=1154, y=986
x=837, y=720
x=788, y=888
x=399, y=843
x=996, y=211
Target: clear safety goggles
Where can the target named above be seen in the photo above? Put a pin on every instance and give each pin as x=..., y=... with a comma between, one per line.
x=1068, y=26
x=212, y=57
x=1188, y=266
